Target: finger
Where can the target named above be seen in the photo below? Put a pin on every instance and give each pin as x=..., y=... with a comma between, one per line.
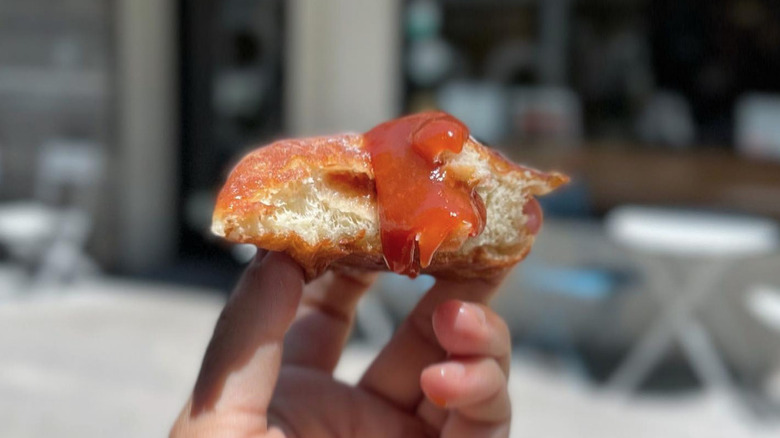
x=470, y=386
x=324, y=319
x=459, y=427
x=475, y=390
x=471, y=329
x=242, y=360
x=395, y=373
x=467, y=330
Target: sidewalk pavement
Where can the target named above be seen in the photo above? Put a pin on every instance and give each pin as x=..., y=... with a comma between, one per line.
x=118, y=358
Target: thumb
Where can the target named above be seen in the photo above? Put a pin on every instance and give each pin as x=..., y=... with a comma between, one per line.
x=242, y=360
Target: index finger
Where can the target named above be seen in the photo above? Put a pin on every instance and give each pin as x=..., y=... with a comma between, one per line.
x=242, y=361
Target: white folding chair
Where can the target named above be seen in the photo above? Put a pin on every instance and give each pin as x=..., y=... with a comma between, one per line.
x=698, y=247
x=50, y=231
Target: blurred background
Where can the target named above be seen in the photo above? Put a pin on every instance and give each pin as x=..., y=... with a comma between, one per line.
x=650, y=305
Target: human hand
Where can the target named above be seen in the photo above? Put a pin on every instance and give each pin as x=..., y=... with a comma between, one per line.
x=444, y=372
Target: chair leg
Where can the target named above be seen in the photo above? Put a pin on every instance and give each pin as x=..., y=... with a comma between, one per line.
x=676, y=314
x=703, y=356
x=63, y=261
x=642, y=358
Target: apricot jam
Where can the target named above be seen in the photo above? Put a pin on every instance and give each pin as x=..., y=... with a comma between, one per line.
x=420, y=206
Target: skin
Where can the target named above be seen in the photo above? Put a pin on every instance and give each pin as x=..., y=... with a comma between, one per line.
x=268, y=370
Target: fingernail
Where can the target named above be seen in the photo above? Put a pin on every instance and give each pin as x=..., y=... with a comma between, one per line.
x=449, y=371
x=470, y=316
x=452, y=370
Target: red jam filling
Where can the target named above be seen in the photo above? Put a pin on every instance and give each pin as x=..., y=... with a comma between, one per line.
x=420, y=206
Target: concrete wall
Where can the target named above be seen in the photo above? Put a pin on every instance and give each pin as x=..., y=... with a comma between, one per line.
x=343, y=69
x=146, y=169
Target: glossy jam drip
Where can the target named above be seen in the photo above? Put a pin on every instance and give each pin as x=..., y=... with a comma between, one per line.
x=420, y=207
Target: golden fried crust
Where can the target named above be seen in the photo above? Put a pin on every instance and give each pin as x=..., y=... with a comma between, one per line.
x=268, y=169
x=274, y=165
